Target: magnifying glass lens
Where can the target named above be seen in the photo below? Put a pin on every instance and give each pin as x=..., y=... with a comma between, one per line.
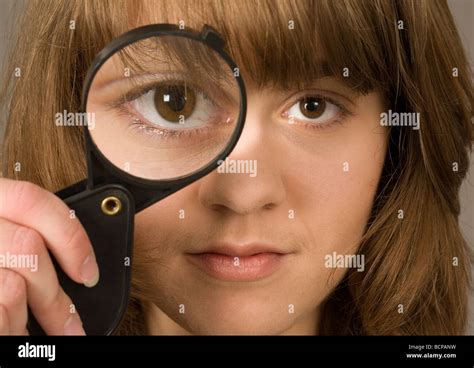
x=163, y=107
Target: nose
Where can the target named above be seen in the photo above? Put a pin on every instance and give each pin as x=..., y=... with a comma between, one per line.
x=243, y=193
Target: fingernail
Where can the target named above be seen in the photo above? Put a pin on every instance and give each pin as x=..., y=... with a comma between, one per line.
x=73, y=326
x=90, y=272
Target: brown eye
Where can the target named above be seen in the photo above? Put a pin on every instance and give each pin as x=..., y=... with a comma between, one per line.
x=174, y=102
x=312, y=107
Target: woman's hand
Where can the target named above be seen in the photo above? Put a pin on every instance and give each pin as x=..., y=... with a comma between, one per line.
x=33, y=221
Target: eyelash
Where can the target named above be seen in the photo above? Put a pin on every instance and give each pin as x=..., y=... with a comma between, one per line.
x=343, y=114
x=138, y=125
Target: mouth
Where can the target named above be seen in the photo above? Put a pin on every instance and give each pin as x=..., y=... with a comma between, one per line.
x=236, y=262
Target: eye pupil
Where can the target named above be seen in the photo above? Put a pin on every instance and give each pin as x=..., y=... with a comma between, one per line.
x=174, y=102
x=177, y=101
x=312, y=107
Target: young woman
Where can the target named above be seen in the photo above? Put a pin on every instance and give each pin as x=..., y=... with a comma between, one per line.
x=341, y=178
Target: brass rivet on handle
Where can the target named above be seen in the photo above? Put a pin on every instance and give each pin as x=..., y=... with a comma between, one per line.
x=111, y=206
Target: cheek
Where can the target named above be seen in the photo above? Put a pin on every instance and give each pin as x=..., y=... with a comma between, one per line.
x=334, y=189
x=158, y=227
x=332, y=193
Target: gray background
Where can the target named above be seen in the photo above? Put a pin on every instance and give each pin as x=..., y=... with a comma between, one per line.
x=463, y=12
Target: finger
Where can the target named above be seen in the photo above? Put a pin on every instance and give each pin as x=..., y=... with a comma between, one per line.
x=13, y=299
x=29, y=205
x=47, y=300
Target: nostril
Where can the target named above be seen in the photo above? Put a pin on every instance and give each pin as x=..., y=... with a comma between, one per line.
x=219, y=208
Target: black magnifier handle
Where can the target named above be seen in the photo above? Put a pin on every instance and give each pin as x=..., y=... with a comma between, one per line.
x=107, y=214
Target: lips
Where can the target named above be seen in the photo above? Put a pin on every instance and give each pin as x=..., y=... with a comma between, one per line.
x=238, y=262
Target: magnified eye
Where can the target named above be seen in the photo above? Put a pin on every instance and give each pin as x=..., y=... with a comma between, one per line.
x=314, y=109
x=164, y=106
x=176, y=106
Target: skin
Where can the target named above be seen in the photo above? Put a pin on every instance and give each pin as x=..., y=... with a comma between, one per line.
x=300, y=170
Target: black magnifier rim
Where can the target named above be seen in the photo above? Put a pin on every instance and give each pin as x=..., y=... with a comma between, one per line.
x=207, y=36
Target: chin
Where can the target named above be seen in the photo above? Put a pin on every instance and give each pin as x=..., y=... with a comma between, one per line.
x=236, y=316
x=234, y=324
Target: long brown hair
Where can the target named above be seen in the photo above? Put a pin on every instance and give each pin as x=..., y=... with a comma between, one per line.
x=418, y=266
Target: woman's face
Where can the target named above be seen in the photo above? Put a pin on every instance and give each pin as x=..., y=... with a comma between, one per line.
x=244, y=253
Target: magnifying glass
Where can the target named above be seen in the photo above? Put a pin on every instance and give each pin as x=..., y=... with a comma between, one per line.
x=163, y=106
